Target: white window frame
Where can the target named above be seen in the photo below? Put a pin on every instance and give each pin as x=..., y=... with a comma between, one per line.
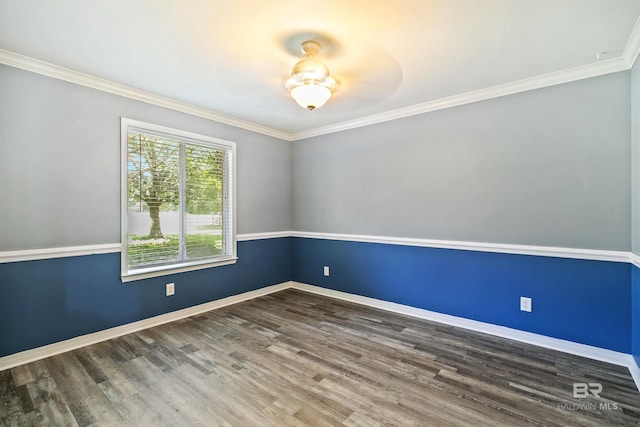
x=127, y=274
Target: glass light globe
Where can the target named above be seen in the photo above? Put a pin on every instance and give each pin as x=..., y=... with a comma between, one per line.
x=311, y=95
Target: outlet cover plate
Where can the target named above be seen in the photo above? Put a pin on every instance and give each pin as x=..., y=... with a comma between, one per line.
x=170, y=288
x=525, y=304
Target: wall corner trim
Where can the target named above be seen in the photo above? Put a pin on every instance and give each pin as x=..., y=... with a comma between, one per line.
x=634, y=259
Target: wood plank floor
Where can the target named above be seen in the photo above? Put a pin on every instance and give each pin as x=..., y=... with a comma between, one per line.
x=293, y=358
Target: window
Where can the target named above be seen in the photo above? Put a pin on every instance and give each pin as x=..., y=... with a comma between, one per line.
x=177, y=201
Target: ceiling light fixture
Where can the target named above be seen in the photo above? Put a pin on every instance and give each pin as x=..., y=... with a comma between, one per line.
x=310, y=83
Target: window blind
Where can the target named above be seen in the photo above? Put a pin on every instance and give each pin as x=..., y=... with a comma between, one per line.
x=179, y=200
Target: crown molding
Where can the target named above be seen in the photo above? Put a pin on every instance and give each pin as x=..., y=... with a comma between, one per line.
x=537, y=82
x=51, y=70
x=632, y=49
x=621, y=63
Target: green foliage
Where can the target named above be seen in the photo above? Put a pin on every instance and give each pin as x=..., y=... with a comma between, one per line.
x=204, y=180
x=154, y=177
x=163, y=173
x=145, y=251
x=209, y=227
x=153, y=171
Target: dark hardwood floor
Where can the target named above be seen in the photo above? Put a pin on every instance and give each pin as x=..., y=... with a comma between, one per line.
x=294, y=358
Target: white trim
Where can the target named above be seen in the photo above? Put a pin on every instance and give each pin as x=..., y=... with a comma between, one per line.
x=61, y=252
x=634, y=259
x=624, y=62
x=104, y=85
x=584, y=350
x=511, y=88
x=632, y=48
x=621, y=63
x=146, y=273
x=71, y=251
x=591, y=352
x=32, y=355
x=589, y=254
x=260, y=236
x=634, y=370
x=550, y=251
x=124, y=196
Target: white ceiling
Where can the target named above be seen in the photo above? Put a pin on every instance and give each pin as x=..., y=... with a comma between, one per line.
x=392, y=58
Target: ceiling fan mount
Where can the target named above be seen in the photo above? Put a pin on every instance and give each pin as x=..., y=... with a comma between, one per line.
x=310, y=84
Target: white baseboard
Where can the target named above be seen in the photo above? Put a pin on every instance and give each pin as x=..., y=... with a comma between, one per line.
x=32, y=355
x=634, y=370
x=591, y=352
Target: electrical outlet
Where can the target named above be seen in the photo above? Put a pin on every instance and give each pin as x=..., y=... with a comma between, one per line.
x=525, y=304
x=326, y=270
x=170, y=288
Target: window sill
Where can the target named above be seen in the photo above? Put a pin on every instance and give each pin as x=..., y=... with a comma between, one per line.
x=145, y=273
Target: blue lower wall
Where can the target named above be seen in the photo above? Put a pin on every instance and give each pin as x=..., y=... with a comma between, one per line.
x=587, y=302
x=591, y=302
x=635, y=313
x=45, y=301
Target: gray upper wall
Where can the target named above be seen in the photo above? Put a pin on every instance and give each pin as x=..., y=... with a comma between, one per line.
x=60, y=164
x=546, y=167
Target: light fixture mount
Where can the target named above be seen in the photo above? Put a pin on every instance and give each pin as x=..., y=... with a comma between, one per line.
x=310, y=83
